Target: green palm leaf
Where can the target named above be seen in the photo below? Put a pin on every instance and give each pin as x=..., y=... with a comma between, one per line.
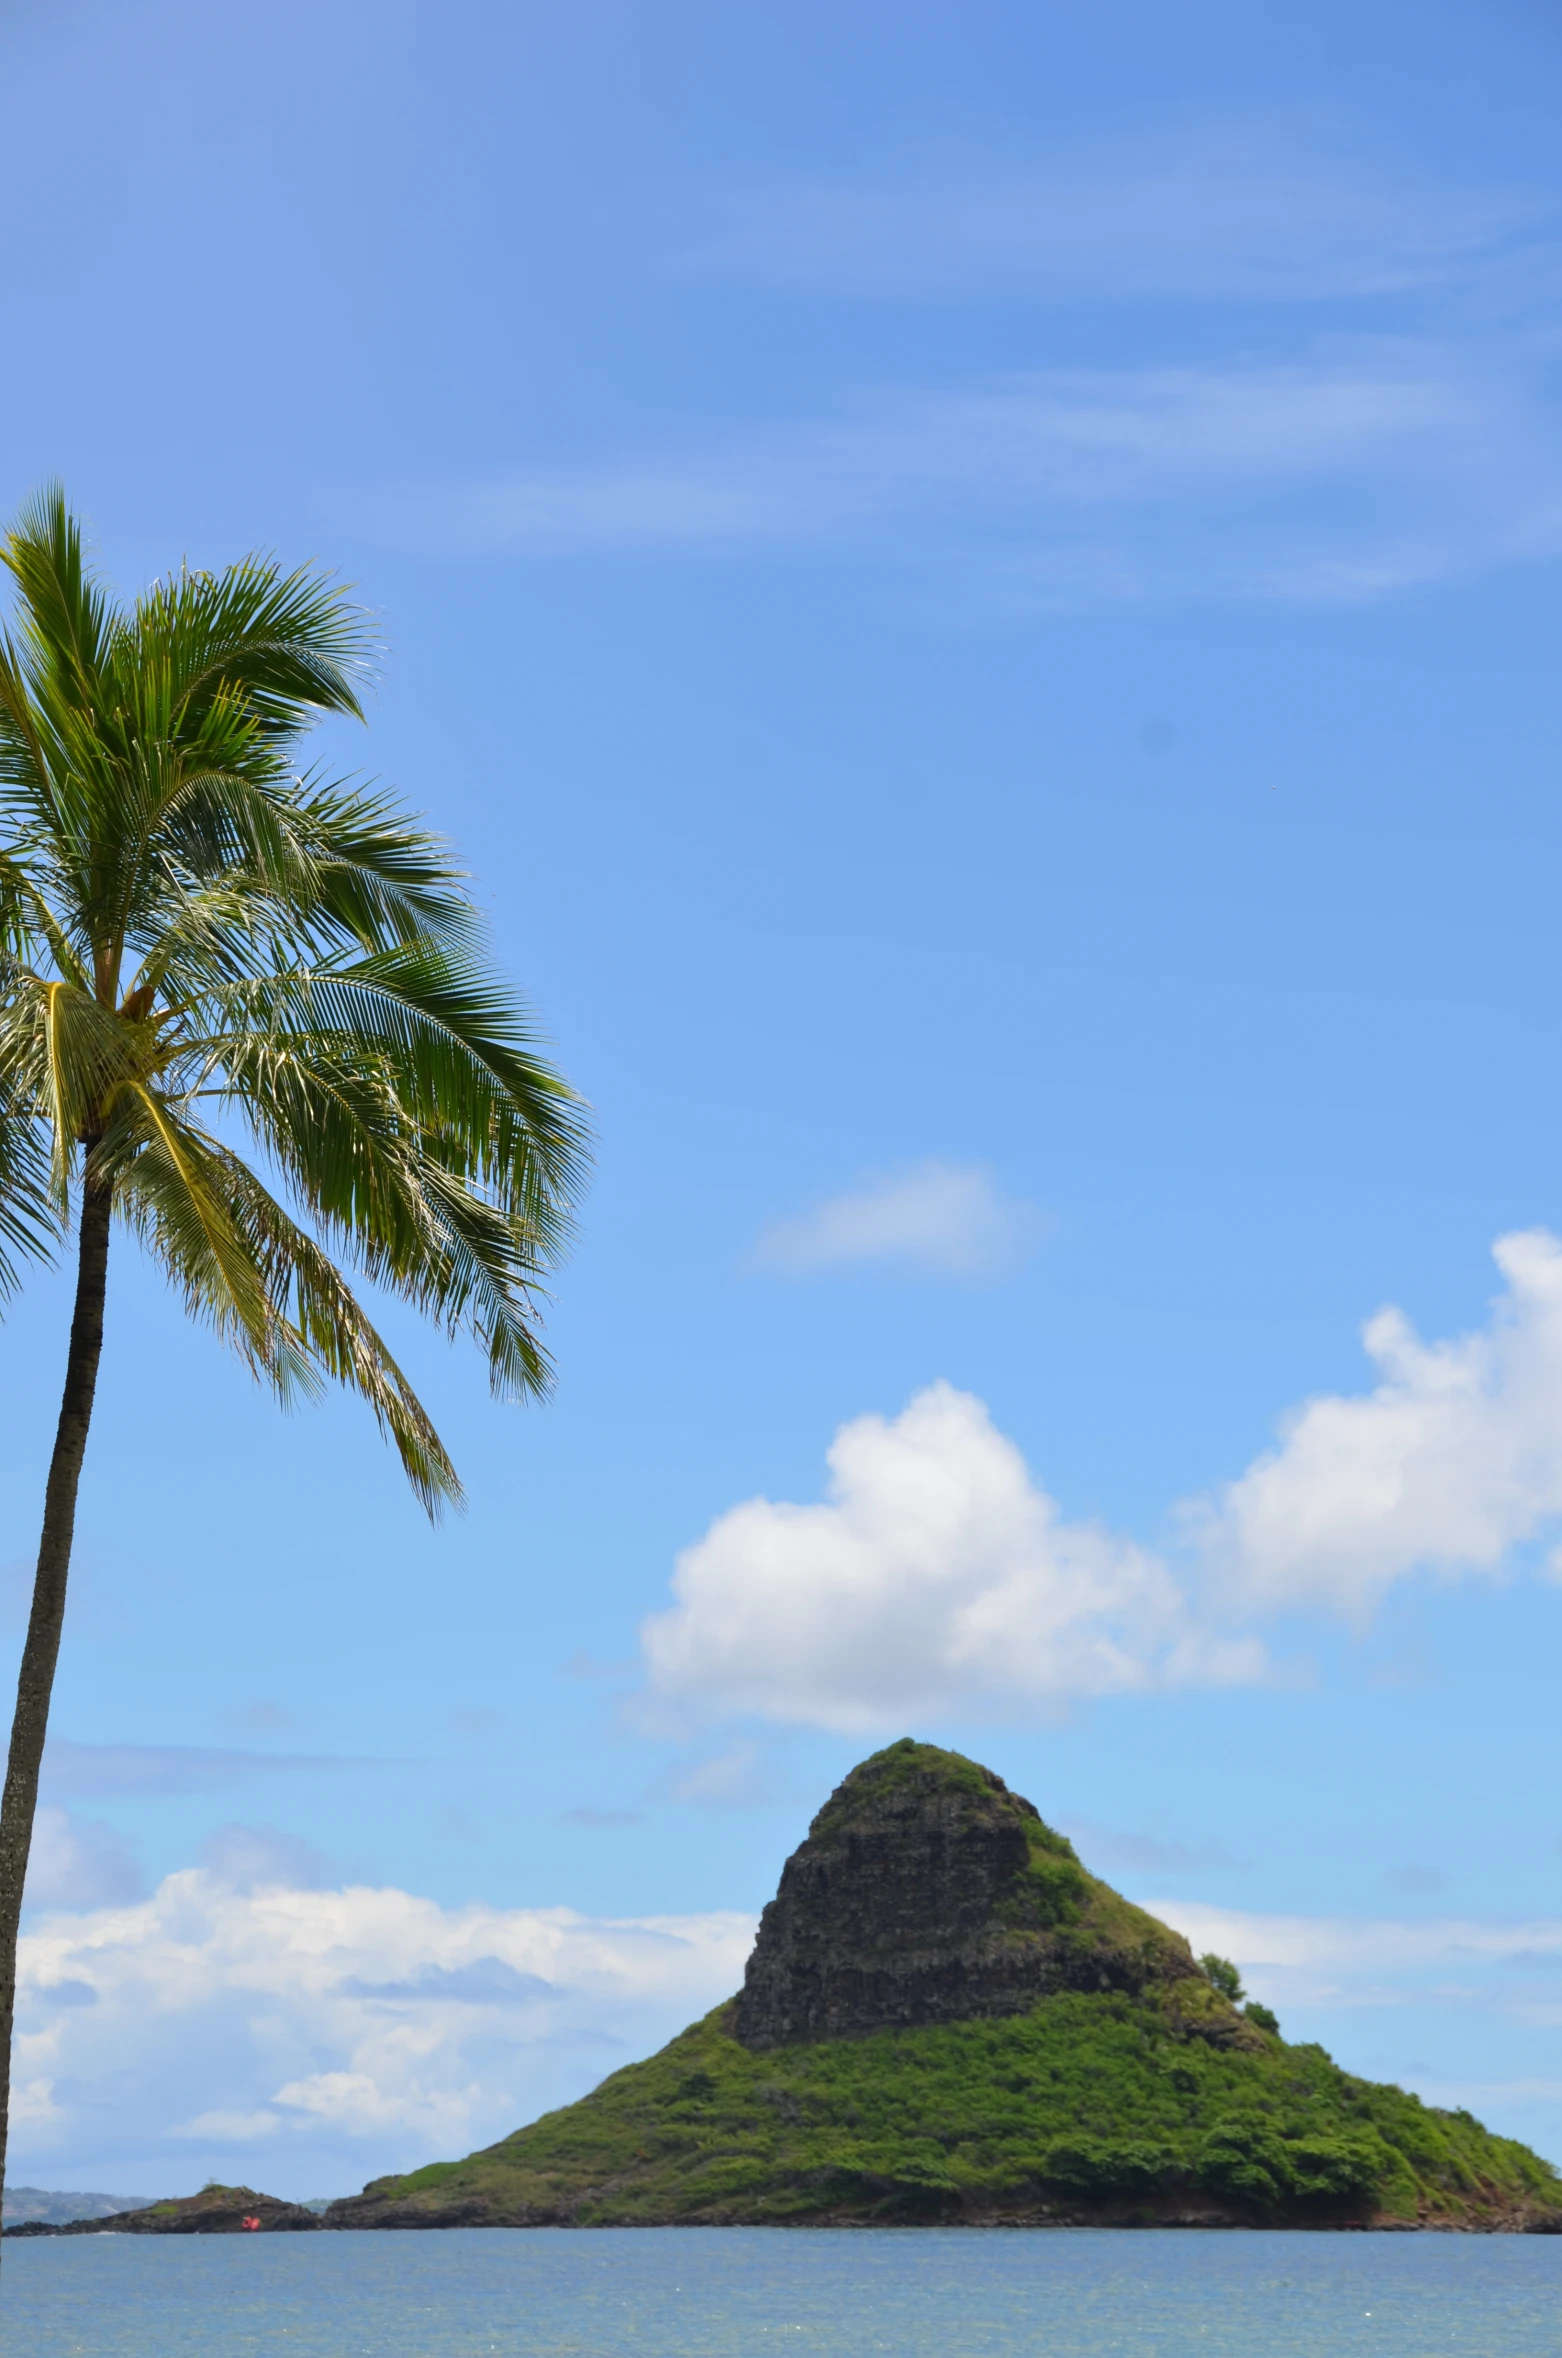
x=246, y=1012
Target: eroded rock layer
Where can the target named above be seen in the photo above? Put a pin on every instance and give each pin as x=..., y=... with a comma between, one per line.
x=948, y=2020
x=927, y=1892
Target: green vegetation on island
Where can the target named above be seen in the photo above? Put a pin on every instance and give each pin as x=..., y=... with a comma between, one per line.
x=1044, y=2051
x=1087, y=2106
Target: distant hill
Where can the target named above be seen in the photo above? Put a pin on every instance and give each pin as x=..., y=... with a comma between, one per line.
x=35, y=2205
x=216, y=2210
x=946, y=2018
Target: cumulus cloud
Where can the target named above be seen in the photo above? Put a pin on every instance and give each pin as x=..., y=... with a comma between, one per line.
x=948, y=1219
x=936, y=1577
x=1452, y=1460
x=488, y=1981
x=342, y=2032
x=939, y=1577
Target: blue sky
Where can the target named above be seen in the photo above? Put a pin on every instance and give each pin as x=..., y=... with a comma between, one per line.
x=980, y=589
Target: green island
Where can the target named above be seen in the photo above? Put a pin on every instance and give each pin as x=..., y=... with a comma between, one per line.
x=948, y=2019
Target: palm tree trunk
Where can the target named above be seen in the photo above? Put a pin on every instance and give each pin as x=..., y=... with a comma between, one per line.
x=36, y=1680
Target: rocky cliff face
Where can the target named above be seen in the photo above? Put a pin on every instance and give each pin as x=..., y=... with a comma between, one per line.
x=1120, y=2087
x=928, y=1892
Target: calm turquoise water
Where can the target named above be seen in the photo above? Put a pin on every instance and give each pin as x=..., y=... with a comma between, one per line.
x=688, y=2293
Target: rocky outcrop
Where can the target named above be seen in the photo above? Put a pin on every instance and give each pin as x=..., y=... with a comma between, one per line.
x=928, y=1892
x=948, y=2021
x=216, y=2210
x=381, y=2205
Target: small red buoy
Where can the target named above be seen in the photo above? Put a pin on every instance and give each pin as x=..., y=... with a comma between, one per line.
x=251, y=2223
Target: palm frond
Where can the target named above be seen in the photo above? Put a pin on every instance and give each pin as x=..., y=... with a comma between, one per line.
x=385, y=881
x=289, y=644
x=66, y=620
x=24, y=765
x=464, y=1062
x=206, y=1217
x=397, y=1198
x=174, y=1182
x=194, y=937
x=69, y=1058
x=30, y=1225
x=25, y=916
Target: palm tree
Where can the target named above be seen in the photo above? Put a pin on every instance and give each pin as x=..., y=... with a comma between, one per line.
x=245, y=1011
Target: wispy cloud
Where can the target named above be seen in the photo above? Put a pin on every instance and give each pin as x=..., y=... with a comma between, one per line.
x=76, y=1772
x=1357, y=470
x=1276, y=216
x=948, y=1219
x=737, y=1778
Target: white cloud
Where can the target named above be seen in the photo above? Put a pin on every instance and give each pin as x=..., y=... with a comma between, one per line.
x=309, y=2039
x=946, y=1218
x=1451, y=1462
x=936, y=1578
x=346, y=2031
x=1340, y=474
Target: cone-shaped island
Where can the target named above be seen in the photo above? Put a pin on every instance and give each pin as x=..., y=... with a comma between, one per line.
x=946, y=2018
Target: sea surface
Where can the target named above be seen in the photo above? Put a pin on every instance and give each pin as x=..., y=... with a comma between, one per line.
x=756, y=2293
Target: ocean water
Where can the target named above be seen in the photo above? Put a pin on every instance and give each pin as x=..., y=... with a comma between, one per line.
x=753, y=2293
